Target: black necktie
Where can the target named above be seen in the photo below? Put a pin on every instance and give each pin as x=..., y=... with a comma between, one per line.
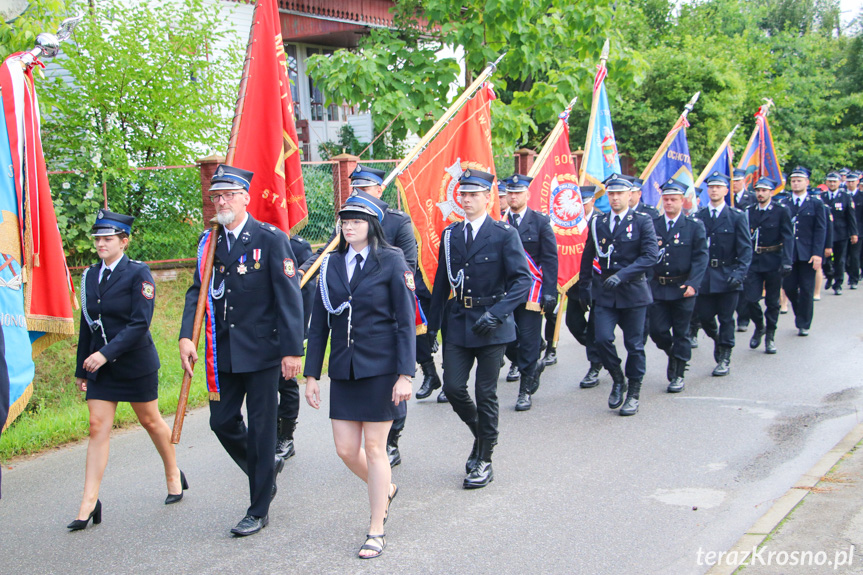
x=358, y=265
x=616, y=223
x=512, y=219
x=468, y=241
x=516, y=219
x=713, y=214
x=230, y=237
x=670, y=224
x=104, y=280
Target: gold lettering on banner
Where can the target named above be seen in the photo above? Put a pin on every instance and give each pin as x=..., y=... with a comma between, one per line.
x=566, y=250
x=289, y=148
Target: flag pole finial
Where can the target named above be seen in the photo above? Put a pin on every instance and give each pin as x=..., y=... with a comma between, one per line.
x=494, y=64
x=606, y=48
x=572, y=103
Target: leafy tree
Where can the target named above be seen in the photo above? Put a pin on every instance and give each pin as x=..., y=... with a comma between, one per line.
x=140, y=93
x=20, y=33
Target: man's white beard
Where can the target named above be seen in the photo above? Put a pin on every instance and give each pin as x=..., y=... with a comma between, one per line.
x=226, y=218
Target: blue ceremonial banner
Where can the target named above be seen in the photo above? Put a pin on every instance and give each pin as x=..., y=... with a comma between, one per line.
x=759, y=158
x=19, y=358
x=600, y=158
x=670, y=161
x=722, y=162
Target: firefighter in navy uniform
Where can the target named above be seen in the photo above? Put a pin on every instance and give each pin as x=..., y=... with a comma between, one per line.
x=482, y=263
x=730, y=255
x=580, y=319
x=289, y=389
x=844, y=229
x=853, y=263
x=366, y=182
x=682, y=262
x=742, y=199
x=772, y=241
x=635, y=200
x=624, y=243
x=257, y=313
x=540, y=247
x=809, y=219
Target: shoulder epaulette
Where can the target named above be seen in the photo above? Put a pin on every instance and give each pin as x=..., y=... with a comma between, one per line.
x=269, y=227
x=502, y=224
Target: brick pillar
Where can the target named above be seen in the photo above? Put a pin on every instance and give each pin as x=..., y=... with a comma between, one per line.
x=524, y=159
x=342, y=169
x=208, y=167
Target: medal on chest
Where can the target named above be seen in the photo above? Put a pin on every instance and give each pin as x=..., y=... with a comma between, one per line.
x=256, y=253
x=241, y=269
x=629, y=231
x=677, y=238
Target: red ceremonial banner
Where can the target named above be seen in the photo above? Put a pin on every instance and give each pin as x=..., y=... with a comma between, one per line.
x=265, y=133
x=554, y=191
x=428, y=186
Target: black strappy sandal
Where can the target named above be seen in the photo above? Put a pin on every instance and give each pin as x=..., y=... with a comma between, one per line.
x=390, y=500
x=376, y=543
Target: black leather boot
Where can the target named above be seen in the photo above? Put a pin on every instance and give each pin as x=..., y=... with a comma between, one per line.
x=533, y=381
x=285, y=438
x=431, y=381
x=524, y=403
x=756, y=337
x=393, y=442
x=550, y=356
x=482, y=474
x=769, y=345
x=441, y=397
x=630, y=406
x=591, y=379
x=618, y=387
x=513, y=374
x=677, y=384
x=723, y=364
x=474, y=451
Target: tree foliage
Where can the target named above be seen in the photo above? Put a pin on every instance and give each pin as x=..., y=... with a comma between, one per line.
x=20, y=34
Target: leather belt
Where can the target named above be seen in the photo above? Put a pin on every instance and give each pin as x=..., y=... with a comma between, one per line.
x=469, y=302
x=715, y=263
x=768, y=249
x=637, y=278
x=667, y=280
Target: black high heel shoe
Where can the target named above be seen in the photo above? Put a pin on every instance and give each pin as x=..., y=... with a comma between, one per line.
x=95, y=515
x=175, y=498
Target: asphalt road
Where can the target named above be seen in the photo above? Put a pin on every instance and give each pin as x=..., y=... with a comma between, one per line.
x=577, y=488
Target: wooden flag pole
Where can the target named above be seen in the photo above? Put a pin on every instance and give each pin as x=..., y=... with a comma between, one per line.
x=210, y=249
x=416, y=151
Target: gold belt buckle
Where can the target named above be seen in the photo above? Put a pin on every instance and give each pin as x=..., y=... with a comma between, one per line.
x=468, y=302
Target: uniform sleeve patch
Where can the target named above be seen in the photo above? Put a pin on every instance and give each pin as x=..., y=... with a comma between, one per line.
x=148, y=290
x=290, y=270
x=409, y=281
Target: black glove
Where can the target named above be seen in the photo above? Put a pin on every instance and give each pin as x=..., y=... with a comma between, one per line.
x=785, y=271
x=584, y=303
x=486, y=324
x=433, y=343
x=611, y=282
x=734, y=282
x=549, y=302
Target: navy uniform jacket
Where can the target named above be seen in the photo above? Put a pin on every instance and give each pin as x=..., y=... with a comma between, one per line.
x=844, y=217
x=125, y=306
x=683, y=254
x=634, y=255
x=810, y=228
x=747, y=198
x=398, y=231
x=383, y=314
x=730, y=249
x=858, y=208
x=643, y=208
x=259, y=318
x=495, y=270
x=538, y=240
x=303, y=251
x=770, y=228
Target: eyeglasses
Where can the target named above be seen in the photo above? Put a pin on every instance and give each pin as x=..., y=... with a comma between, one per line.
x=227, y=196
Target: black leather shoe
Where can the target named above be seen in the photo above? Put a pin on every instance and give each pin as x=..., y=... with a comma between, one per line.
x=95, y=515
x=532, y=381
x=630, y=406
x=171, y=498
x=723, y=365
x=802, y=331
x=523, y=403
x=482, y=474
x=249, y=525
x=441, y=397
x=473, y=457
x=852, y=285
x=756, y=338
x=513, y=374
x=837, y=290
x=769, y=346
x=285, y=438
x=550, y=356
x=676, y=385
x=431, y=380
x=618, y=388
x=591, y=378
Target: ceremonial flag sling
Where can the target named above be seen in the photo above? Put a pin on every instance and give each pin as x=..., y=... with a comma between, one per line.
x=601, y=158
x=722, y=162
x=554, y=190
x=428, y=185
x=263, y=141
x=37, y=297
x=759, y=158
x=671, y=160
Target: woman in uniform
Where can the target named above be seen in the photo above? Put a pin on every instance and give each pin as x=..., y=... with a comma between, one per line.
x=117, y=360
x=366, y=306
